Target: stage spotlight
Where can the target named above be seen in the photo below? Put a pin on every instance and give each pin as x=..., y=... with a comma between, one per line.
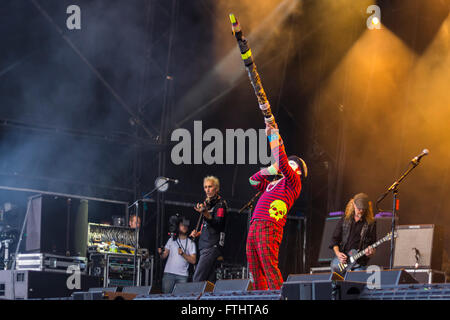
x=161, y=184
x=375, y=21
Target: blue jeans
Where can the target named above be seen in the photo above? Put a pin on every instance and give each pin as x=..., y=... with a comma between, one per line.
x=169, y=280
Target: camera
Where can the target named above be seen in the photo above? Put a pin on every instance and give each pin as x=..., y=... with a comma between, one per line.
x=174, y=222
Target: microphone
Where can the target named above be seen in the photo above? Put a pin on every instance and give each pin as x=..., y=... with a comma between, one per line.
x=171, y=180
x=417, y=256
x=416, y=160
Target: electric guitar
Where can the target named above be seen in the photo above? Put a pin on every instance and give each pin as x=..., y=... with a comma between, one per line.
x=198, y=225
x=199, y=219
x=353, y=256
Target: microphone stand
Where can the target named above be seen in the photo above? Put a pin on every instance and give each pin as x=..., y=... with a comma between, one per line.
x=394, y=189
x=250, y=206
x=138, y=227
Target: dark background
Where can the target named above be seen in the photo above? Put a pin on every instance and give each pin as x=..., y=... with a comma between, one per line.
x=90, y=112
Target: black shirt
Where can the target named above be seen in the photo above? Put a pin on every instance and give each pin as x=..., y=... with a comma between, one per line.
x=354, y=237
x=212, y=228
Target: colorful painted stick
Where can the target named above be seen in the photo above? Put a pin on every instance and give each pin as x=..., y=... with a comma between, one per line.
x=250, y=65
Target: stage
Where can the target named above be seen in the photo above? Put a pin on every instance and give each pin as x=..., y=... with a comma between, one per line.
x=205, y=150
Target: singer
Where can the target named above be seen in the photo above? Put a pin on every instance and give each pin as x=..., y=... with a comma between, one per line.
x=269, y=217
x=211, y=235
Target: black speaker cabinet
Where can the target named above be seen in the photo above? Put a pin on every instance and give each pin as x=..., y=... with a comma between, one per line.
x=382, y=253
x=21, y=285
x=427, y=275
x=325, y=253
x=321, y=290
x=307, y=277
x=291, y=256
x=421, y=244
x=57, y=225
x=387, y=277
x=192, y=288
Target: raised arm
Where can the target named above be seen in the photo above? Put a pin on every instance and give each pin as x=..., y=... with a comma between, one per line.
x=281, y=159
x=259, y=181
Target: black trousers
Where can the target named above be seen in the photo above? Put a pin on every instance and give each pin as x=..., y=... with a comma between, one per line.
x=205, y=270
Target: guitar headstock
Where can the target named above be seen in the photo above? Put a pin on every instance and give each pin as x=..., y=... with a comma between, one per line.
x=389, y=236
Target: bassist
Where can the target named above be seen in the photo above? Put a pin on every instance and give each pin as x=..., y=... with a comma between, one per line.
x=355, y=230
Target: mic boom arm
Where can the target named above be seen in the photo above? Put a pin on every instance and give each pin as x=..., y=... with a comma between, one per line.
x=415, y=162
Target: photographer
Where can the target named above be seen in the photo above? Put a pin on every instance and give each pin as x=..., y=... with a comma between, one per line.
x=180, y=251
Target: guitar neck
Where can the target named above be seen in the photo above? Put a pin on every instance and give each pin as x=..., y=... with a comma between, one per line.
x=376, y=244
x=199, y=220
x=198, y=223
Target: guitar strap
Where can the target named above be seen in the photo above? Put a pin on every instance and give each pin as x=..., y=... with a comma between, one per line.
x=346, y=225
x=345, y=233
x=363, y=235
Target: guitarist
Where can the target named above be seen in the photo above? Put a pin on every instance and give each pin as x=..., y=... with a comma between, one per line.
x=213, y=212
x=355, y=230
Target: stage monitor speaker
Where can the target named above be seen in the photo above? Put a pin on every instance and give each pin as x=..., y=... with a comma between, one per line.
x=325, y=253
x=387, y=277
x=307, y=277
x=192, y=288
x=103, y=289
x=421, y=244
x=321, y=290
x=57, y=225
x=233, y=285
x=90, y=295
x=140, y=290
x=427, y=275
